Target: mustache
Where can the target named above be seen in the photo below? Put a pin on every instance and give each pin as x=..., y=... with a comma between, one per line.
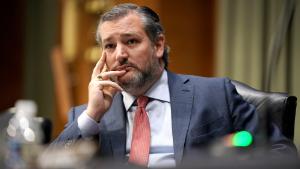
x=123, y=66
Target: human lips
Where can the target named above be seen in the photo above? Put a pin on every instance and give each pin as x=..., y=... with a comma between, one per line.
x=124, y=67
x=120, y=68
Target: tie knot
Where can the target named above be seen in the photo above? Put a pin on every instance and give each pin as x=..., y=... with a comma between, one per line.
x=142, y=101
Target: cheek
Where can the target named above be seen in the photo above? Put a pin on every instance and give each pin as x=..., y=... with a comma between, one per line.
x=109, y=62
x=140, y=59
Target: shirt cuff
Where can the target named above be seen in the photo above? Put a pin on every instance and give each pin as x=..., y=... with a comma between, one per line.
x=88, y=126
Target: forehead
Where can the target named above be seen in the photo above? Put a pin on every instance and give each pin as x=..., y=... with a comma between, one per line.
x=127, y=25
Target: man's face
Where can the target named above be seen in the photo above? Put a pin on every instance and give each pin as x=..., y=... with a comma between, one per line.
x=127, y=47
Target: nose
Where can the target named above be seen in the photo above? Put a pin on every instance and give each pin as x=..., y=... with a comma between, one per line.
x=121, y=53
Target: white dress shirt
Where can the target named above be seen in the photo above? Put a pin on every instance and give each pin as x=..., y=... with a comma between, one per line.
x=159, y=112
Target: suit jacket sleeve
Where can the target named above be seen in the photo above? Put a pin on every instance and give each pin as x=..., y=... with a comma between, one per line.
x=71, y=132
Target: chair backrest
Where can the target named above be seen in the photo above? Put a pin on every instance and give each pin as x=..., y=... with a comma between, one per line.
x=280, y=106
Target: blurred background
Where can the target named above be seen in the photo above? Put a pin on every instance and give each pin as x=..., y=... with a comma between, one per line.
x=48, y=47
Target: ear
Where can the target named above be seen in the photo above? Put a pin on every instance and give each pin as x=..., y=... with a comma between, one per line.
x=160, y=46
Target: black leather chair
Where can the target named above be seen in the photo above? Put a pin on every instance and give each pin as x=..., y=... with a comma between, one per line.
x=279, y=107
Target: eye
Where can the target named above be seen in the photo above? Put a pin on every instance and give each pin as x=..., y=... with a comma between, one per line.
x=132, y=41
x=109, y=46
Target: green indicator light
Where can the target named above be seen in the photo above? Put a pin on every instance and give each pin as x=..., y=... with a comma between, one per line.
x=242, y=139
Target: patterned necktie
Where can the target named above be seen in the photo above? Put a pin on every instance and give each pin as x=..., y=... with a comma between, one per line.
x=140, y=144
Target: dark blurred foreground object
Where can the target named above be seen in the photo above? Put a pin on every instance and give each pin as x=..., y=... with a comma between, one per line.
x=209, y=162
x=231, y=162
x=279, y=108
x=46, y=126
x=80, y=155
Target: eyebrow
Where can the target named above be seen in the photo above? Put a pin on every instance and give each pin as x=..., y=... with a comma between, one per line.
x=129, y=34
x=105, y=40
x=123, y=35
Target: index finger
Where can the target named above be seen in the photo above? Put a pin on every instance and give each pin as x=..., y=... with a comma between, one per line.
x=99, y=66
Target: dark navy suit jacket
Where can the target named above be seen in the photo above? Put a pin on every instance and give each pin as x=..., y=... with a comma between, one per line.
x=202, y=109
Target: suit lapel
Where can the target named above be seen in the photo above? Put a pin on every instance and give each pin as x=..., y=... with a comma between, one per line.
x=181, y=93
x=115, y=121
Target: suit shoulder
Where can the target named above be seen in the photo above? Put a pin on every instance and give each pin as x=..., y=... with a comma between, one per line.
x=76, y=111
x=201, y=80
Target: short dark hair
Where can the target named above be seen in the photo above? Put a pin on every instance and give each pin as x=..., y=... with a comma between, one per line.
x=150, y=19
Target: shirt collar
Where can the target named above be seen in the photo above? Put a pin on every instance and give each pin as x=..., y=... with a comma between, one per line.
x=158, y=91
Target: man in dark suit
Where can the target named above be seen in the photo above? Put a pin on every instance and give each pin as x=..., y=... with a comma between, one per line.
x=140, y=110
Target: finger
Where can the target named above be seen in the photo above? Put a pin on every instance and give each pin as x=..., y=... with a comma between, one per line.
x=111, y=84
x=107, y=83
x=99, y=66
x=111, y=74
x=105, y=69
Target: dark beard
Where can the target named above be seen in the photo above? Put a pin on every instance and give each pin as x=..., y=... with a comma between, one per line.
x=141, y=78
